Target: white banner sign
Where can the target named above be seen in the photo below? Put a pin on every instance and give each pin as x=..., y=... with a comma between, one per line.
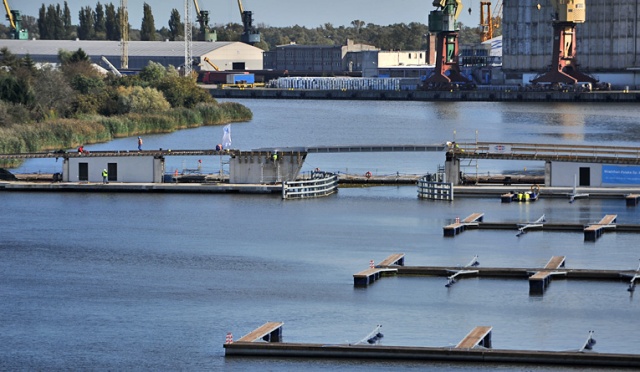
x=499, y=149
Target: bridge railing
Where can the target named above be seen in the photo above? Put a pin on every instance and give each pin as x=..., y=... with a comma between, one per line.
x=545, y=151
x=320, y=184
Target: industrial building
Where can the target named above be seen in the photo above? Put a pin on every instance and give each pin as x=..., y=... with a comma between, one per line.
x=351, y=59
x=315, y=59
x=608, y=43
x=225, y=55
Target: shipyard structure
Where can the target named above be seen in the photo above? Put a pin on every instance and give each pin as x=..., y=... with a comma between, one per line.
x=607, y=43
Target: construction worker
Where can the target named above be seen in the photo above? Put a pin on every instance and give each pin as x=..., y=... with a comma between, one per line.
x=274, y=157
x=105, y=176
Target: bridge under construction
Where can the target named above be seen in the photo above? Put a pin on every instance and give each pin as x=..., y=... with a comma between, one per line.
x=601, y=166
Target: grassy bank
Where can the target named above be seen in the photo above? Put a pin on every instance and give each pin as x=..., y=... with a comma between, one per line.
x=70, y=133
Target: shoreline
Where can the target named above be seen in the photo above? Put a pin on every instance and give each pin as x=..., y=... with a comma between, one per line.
x=504, y=95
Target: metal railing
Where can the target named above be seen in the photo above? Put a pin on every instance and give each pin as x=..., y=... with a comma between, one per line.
x=553, y=152
x=432, y=188
x=320, y=184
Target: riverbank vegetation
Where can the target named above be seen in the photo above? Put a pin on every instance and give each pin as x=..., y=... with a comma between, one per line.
x=61, y=108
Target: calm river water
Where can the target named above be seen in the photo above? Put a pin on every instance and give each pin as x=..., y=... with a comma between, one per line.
x=155, y=282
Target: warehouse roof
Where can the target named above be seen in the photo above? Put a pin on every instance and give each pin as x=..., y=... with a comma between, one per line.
x=101, y=47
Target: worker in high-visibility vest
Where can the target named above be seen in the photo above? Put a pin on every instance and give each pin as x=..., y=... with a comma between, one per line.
x=105, y=176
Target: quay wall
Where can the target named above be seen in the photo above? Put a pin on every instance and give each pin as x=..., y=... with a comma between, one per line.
x=414, y=95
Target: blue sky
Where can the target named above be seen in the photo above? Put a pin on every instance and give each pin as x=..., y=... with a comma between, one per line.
x=277, y=13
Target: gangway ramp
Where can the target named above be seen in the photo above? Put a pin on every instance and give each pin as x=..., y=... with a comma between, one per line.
x=270, y=332
x=479, y=336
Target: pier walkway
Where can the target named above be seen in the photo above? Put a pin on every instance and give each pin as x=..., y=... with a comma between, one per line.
x=535, y=275
x=474, y=348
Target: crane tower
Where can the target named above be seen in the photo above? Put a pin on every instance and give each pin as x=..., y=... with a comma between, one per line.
x=564, y=63
x=124, y=35
x=187, y=39
x=442, y=21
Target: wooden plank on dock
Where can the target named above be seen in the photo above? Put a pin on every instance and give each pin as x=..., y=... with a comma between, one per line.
x=632, y=200
x=479, y=336
x=539, y=281
x=370, y=275
x=272, y=331
x=394, y=259
x=594, y=231
x=459, y=226
x=474, y=217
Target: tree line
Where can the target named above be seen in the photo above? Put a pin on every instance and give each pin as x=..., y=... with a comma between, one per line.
x=103, y=22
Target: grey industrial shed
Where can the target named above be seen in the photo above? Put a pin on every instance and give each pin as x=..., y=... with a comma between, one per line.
x=224, y=54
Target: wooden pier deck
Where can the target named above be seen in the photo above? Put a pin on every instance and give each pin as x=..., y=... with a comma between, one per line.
x=459, y=226
x=270, y=332
x=594, y=231
x=479, y=336
x=375, y=272
x=539, y=281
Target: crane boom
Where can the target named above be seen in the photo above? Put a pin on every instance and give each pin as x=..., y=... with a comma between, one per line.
x=12, y=22
x=15, y=21
x=206, y=34
x=195, y=3
x=249, y=34
x=206, y=59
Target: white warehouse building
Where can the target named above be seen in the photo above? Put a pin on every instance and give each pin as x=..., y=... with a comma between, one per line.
x=226, y=55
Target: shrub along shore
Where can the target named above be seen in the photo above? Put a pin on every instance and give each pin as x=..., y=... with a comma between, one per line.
x=70, y=133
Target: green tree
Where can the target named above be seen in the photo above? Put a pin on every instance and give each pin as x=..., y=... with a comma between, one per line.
x=53, y=94
x=152, y=74
x=67, y=57
x=148, y=28
x=59, y=32
x=50, y=22
x=100, y=22
x=86, y=25
x=111, y=23
x=42, y=23
x=141, y=100
x=15, y=90
x=8, y=59
x=29, y=64
x=176, y=27
x=66, y=21
x=182, y=91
